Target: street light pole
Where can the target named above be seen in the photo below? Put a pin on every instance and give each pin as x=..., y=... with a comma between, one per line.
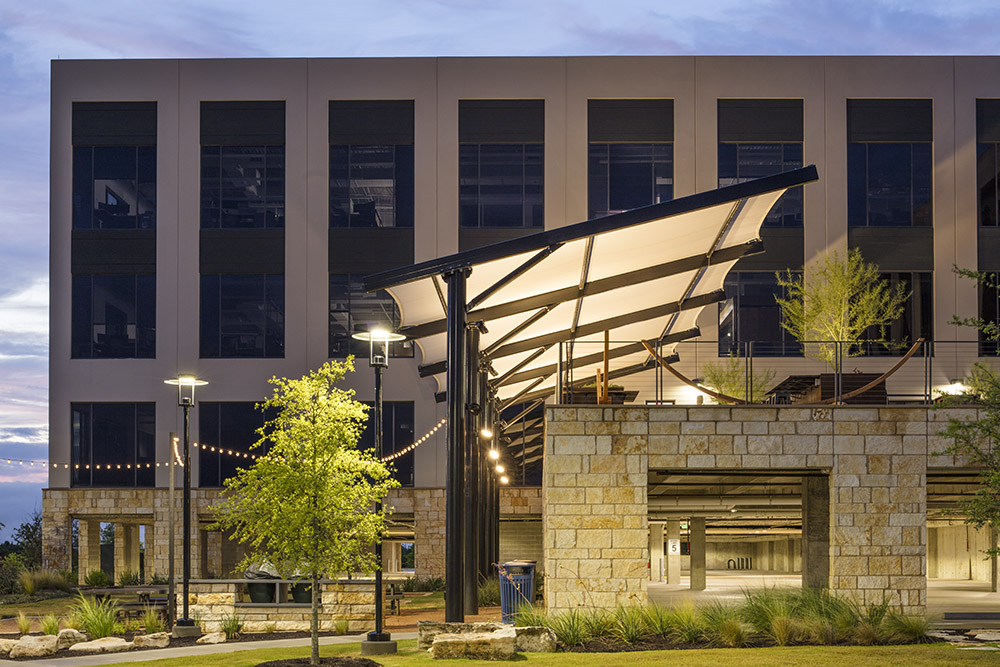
x=184, y=626
x=378, y=642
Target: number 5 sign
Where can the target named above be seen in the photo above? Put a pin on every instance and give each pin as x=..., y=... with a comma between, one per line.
x=674, y=547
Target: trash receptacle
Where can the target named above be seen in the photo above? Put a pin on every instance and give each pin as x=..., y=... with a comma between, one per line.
x=517, y=587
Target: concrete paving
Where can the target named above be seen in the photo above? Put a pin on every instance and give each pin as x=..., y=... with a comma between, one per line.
x=943, y=595
x=179, y=652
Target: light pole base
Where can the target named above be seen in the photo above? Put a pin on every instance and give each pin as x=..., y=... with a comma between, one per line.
x=378, y=646
x=188, y=629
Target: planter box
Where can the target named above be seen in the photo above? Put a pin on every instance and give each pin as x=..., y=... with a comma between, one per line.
x=589, y=396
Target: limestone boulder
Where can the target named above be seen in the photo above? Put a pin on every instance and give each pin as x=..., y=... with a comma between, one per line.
x=68, y=637
x=155, y=640
x=212, y=638
x=102, y=645
x=496, y=645
x=34, y=647
x=535, y=639
x=6, y=645
x=428, y=630
x=986, y=635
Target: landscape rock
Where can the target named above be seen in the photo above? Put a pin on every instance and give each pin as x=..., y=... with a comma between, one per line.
x=212, y=638
x=102, y=645
x=496, y=645
x=34, y=647
x=535, y=639
x=68, y=636
x=987, y=635
x=6, y=645
x=155, y=640
x=428, y=630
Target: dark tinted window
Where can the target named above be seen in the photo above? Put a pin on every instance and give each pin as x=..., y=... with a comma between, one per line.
x=114, y=187
x=242, y=315
x=113, y=444
x=744, y=161
x=397, y=434
x=352, y=309
x=227, y=432
x=114, y=316
x=751, y=315
x=917, y=320
x=629, y=175
x=242, y=187
x=889, y=184
x=987, y=170
x=371, y=186
x=500, y=185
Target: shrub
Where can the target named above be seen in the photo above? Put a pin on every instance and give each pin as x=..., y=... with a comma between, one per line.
x=685, y=623
x=152, y=621
x=273, y=627
x=423, y=585
x=10, y=570
x=23, y=623
x=629, y=624
x=341, y=626
x=570, y=627
x=231, y=625
x=160, y=579
x=773, y=613
x=43, y=579
x=96, y=578
x=657, y=621
x=50, y=625
x=489, y=592
x=723, y=625
x=907, y=629
x=869, y=629
x=527, y=615
x=598, y=623
x=129, y=578
x=97, y=616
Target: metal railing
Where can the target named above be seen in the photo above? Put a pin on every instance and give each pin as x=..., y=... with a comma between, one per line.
x=816, y=372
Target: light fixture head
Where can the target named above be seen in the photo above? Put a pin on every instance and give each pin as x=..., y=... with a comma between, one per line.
x=378, y=339
x=494, y=454
x=733, y=510
x=486, y=432
x=185, y=384
x=500, y=468
x=504, y=480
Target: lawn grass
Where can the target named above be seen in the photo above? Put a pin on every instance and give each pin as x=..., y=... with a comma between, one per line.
x=430, y=601
x=57, y=606
x=924, y=655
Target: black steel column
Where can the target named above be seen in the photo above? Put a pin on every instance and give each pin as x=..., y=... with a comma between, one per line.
x=455, y=487
x=378, y=635
x=483, y=462
x=186, y=619
x=470, y=577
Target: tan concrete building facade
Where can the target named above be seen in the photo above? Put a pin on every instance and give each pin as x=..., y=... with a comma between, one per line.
x=593, y=461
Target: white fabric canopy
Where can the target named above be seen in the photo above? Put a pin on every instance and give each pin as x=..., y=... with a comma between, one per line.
x=643, y=274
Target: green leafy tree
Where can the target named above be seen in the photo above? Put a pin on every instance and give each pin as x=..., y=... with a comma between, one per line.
x=307, y=505
x=729, y=377
x=29, y=539
x=977, y=440
x=841, y=301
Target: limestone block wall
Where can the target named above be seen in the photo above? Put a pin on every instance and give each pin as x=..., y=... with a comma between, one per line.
x=520, y=501
x=877, y=458
x=130, y=508
x=350, y=600
x=595, y=539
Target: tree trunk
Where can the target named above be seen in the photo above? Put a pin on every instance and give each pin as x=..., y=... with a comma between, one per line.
x=314, y=622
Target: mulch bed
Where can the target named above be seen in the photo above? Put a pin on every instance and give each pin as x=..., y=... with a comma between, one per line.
x=662, y=644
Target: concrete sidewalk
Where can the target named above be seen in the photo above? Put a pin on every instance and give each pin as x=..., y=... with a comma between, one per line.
x=186, y=651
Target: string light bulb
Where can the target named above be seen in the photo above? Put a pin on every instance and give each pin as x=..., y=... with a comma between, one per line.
x=504, y=480
x=500, y=468
x=494, y=454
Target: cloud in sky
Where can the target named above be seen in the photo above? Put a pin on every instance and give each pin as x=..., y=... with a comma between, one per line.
x=33, y=33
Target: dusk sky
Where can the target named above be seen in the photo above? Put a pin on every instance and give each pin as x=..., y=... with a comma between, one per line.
x=32, y=33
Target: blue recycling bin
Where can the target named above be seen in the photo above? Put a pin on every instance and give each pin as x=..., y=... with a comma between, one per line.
x=517, y=587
